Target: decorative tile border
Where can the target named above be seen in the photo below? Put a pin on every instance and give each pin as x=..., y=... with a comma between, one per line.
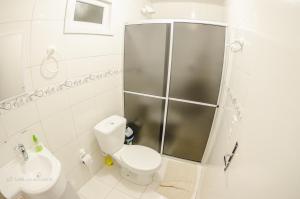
x=19, y=101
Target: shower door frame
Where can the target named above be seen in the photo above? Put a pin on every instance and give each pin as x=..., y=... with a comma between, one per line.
x=171, y=22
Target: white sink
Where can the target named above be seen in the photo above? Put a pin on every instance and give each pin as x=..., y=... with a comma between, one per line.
x=38, y=178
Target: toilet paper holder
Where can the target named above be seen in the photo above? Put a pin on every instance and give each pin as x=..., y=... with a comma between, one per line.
x=83, y=156
x=228, y=158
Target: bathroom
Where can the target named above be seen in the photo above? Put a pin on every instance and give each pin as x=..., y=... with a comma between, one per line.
x=78, y=78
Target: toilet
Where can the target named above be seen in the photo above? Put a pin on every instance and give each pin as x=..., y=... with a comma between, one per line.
x=138, y=163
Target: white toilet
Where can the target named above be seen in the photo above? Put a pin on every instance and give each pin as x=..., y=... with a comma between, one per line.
x=138, y=163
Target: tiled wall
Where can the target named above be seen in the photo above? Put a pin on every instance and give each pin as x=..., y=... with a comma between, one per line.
x=264, y=80
x=212, y=10
x=64, y=121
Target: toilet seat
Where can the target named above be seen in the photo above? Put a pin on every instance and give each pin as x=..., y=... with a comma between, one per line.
x=140, y=158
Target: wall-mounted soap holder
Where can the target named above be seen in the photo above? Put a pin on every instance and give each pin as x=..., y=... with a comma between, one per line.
x=237, y=45
x=228, y=158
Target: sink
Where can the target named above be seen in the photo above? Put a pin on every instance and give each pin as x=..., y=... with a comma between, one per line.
x=37, y=178
x=38, y=166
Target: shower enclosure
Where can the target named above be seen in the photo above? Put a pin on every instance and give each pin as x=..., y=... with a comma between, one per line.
x=172, y=77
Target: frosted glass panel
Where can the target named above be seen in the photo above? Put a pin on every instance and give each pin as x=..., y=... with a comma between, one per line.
x=197, y=62
x=145, y=61
x=85, y=12
x=187, y=130
x=144, y=116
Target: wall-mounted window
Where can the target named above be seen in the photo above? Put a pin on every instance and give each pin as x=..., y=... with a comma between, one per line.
x=88, y=16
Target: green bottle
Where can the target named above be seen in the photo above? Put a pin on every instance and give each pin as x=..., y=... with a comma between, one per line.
x=38, y=147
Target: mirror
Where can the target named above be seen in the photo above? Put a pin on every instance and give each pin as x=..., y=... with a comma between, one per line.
x=11, y=65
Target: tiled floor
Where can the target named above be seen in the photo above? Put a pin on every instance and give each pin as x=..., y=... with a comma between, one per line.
x=108, y=184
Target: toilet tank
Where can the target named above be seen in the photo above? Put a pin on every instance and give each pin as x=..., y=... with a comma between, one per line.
x=110, y=133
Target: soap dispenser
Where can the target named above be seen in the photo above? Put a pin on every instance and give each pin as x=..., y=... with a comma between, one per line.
x=37, y=146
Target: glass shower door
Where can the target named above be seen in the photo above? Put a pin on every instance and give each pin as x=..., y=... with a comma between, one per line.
x=145, y=70
x=187, y=130
x=197, y=64
x=145, y=59
x=144, y=115
x=186, y=114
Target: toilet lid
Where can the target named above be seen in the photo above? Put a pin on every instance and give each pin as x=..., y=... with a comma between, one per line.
x=141, y=158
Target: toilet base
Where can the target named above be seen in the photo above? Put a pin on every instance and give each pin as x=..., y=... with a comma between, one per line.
x=137, y=178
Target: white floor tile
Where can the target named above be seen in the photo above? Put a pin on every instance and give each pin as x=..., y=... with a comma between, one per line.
x=94, y=190
x=153, y=186
x=115, y=194
x=81, y=197
x=109, y=175
x=109, y=184
x=152, y=195
x=130, y=189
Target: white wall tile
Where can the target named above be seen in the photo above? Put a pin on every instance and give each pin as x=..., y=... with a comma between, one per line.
x=85, y=115
x=110, y=83
x=213, y=10
x=84, y=66
x=52, y=104
x=109, y=103
x=81, y=93
x=104, y=85
x=19, y=27
x=16, y=10
x=20, y=118
x=3, y=134
x=7, y=151
x=50, y=10
x=69, y=156
x=59, y=129
x=28, y=80
x=89, y=142
x=69, y=46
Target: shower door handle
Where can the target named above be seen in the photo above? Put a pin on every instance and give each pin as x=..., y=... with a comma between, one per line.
x=230, y=156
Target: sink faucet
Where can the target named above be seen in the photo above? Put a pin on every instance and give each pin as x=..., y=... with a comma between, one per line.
x=21, y=148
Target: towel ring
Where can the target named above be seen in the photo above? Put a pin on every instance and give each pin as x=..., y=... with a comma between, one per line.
x=44, y=70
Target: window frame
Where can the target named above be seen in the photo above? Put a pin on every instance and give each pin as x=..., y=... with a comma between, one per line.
x=77, y=27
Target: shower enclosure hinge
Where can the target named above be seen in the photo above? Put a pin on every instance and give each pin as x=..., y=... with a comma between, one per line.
x=228, y=158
